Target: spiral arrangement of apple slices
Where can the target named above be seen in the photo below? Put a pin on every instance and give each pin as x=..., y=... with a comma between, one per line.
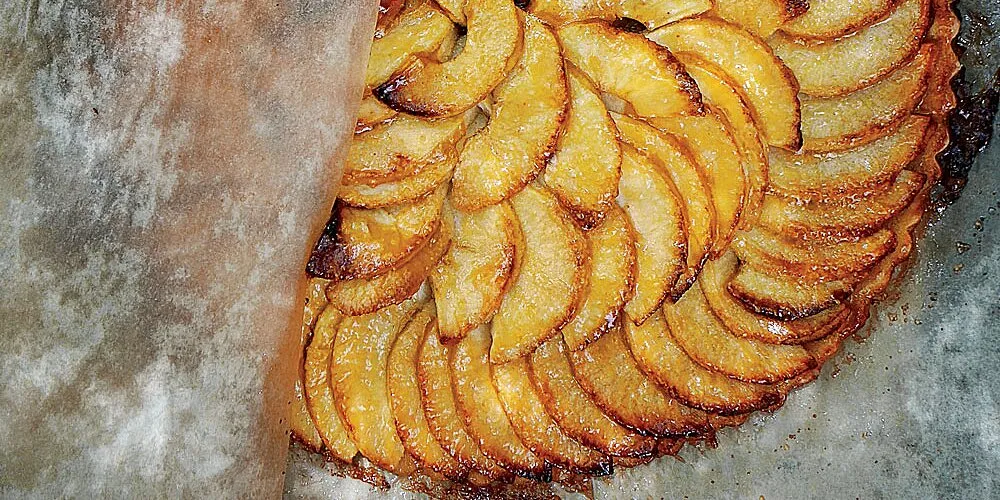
x=573, y=234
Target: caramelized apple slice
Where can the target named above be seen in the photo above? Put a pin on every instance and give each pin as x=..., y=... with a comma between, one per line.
x=819, y=261
x=651, y=14
x=527, y=114
x=470, y=280
x=743, y=323
x=653, y=206
x=300, y=421
x=371, y=112
x=551, y=280
x=358, y=378
x=420, y=31
x=364, y=296
x=762, y=79
x=361, y=243
x=630, y=67
x=663, y=360
x=812, y=177
x=573, y=410
x=760, y=17
x=705, y=340
x=480, y=407
x=689, y=179
x=815, y=221
x=837, y=67
x=836, y=123
x=434, y=89
x=829, y=19
x=405, y=190
x=585, y=169
x=715, y=151
x=441, y=410
x=319, y=395
x=536, y=428
x=399, y=148
x=612, y=271
x=608, y=373
x=785, y=297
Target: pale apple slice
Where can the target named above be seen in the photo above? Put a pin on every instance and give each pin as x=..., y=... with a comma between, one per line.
x=585, y=169
x=536, y=428
x=405, y=400
x=760, y=17
x=470, y=280
x=573, y=409
x=361, y=243
x=612, y=274
x=829, y=19
x=443, y=418
x=399, y=148
x=812, y=177
x=371, y=112
x=358, y=378
x=524, y=126
x=406, y=190
x=707, y=341
x=766, y=84
x=608, y=373
x=785, y=297
x=819, y=261
x=483, y=413
x=420, y=31
x=656, y=13
x=744, y=323
x=665, y=362
x=848, y=219
x=550, y=282
x=832, y=68
x=837, y=123
x=654, y=208
x=364, y=296
x=714, y=150
x=692, y=185
x=627, y=65
x=430, y=89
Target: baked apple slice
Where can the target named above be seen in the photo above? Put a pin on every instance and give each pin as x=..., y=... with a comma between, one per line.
x=837, y=67
x=300, y=421
x=406, y=190
x=573, y=409
x=422, y=31
x=829, y=19
x=608, y=373
x=760, y=17
x=483, y=413
x=649, y=14
x=399, y=148
x=819, y=261
x=435, y=89
x=769, y=87
x=526, y=117
x=371, y=113
x=319, y=394
x=550, y=282
x=654, y=208
x=785, y=297
x=627, y=65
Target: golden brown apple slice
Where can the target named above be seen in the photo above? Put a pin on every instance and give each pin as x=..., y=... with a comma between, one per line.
x=399, y=148
x=573, y=409
x=608, y=373
x=707, y=341
x=455, y=9
x=584, y=171
x=654, y=208
x=405, y=399
x=714, y=150
x=785, y=297
x=405, y=190
x=652, y=14
x=744, y=323
x=691, y=184
x=301, y=425
x=854, y=219
x=940, y=98
x=552, y=277
x=434, y=89
x=527, y=113
x=811, y=177
x=420, y=31
x=441, y=410
x=612, y=269
x=837, y=123
x=760, y=17
x=536, y=428
x=836, y=67
x=319, y=393
x=762, y=79
x=821, y=261
x=300, y=422
x=480, y=407
x=470, y=280
x=630, y=67
x=364, y=296
x=358, y=378
x=663, y=360
x=829, y=19
x=371, y=112
x=360, y=243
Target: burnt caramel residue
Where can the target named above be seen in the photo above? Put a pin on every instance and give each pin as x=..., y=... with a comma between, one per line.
x=970, y=126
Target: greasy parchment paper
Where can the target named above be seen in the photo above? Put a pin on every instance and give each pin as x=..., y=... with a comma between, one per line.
x=163, y=172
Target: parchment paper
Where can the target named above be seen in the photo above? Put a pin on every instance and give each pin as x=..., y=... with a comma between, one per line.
x=164, y=168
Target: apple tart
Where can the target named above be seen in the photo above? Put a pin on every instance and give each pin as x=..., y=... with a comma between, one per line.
x=574, y=235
